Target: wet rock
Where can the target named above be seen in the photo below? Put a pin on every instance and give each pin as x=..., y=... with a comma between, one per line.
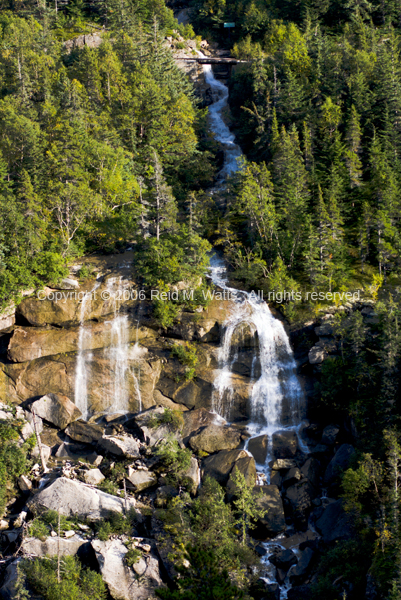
x=283, y=559
x=330, y=434
x=215, y=438
x=339, y=463
x=292, y=477
x=124, y=583
x=93, y=476
x=285, y=444
x=334, y=524
x=80, y=431
x=258, y=447
x=56, y=409
x=265, y=591
x=73, y=498
x=301, y=570
x=141, y=480
x=219, y=465
x=273, y=521
x=246, y=466
x=124, y=445
x=69, y=546
x=311, y=471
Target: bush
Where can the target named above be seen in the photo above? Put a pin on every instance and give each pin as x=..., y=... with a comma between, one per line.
x=13, y=458
x=116, y=523
x=187, y=355
x=170, y=417
x=76, y=583
x=132, y=557
x=175, y=459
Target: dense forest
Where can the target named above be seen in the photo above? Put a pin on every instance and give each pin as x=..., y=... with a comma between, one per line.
x=107, y=148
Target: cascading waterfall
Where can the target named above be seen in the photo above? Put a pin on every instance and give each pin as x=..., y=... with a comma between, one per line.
x=276, y=398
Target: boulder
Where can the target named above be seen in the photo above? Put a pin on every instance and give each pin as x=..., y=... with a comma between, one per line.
x=258, y=446
x=246, y=466
x=273, y=521
x=73, y=498
x=194, y=420
x=123, y=445
x=93, y=476
x=46, y=452
x=125, y=583
x=152, y=432
x=220, y=465
x=24, y=483
x=292, y=477
x=334, y=524
x=300, y=497
x=283, y=559
x=193, y=476
x=32, y=546
x=215, y=438
x=56, y=409
x=339, y=463
x=80, y=431
x=141, y=480
x=316, y=355
x=301, y=570
x=285, y=444
x=8, y=591
x=311, y=471
x=330, y=434
x=300, y=592
x=283, y=463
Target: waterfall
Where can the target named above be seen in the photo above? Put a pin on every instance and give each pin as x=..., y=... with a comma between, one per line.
x=120, y=354
x=84, y=356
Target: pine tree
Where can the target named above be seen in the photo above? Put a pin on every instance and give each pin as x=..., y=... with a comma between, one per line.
x=164, y=209
x=353, y=161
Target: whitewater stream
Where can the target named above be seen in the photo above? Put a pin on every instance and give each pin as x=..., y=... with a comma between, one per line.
x=276, y=399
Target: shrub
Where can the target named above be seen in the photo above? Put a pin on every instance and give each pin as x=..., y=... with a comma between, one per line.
x=116, y=523
x=175, y=459
x=170, y=417
x=13, y=458
x=132, y=557
x=75, y=583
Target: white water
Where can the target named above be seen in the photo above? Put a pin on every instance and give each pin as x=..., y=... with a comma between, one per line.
x=276, y=398
x=84, y=356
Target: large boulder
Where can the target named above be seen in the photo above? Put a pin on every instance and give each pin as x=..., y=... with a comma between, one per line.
x=246, y=466
x=301, y=570
x=51, y=546
x=194, y=420
x=334, y=524
x=283, y=558
x=339, y=463
x=300, y=496
x=75, y=499
x=285, y=443
x=138, y=582
x=93, y=477
x=220, y=465
x=8, y=591
x=215, y=438
x=141, y=480
x=56, y=409
x=258, y=446
x=83, y=432
x=330, y=434
x=122, y=445
x=273, y=520
x=192, y=475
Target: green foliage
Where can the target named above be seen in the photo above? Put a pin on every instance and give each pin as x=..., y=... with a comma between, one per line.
x=132, y=557
x=202, y=580
x=172, y=418
x=174, y=458
x=13, y=458
x=76, y=583
x=116, y=523
x=187, y=355
x=245, y=503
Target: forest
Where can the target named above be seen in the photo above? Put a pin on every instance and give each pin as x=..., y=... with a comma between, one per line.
x=108, y=148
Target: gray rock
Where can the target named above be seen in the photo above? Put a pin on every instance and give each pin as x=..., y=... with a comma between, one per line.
x=7, y=591
x=67, y=284
x=273, y=521
x=330, y=434
x=46, y=452
x=334, y=524
x=32, y=546
x=141, y=480
x=194, y=420
x=124, y=445
x=258, y=448
x=300, y=571
x=219, y=465
x=339, y=463
x=56, y=409
x=193, y=476
x=73, y=498
x=80, y=431
x=316, y=355
x=283, y=463
x=24, y=484
x=311, y=470
x=123, y=582
x=283, y=559
x=300, y=497
x=285, y=444
x=292, y=477
x=93, y=476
